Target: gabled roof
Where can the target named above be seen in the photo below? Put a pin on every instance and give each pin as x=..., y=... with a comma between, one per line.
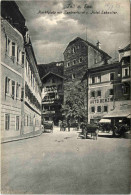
x=127, y=48
x=86, y=44
x=53, y=74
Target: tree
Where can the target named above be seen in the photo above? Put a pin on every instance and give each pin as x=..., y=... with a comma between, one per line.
x=75, y=104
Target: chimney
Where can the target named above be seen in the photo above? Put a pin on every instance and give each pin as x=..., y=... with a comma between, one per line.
x=98, y=44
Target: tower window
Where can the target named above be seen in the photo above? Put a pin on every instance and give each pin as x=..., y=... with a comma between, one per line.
x=73, y=76
x=74, y=49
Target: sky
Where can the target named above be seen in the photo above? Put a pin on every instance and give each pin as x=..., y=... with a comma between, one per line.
x=52, y=25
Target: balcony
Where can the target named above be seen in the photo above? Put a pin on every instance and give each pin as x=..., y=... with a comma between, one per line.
x=48, y=112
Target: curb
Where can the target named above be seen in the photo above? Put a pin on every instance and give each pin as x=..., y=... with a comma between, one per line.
x=21, y=138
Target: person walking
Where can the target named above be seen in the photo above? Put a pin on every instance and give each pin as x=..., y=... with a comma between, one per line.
x=68, y=124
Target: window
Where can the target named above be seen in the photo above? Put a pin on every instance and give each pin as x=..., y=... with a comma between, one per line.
x=27, y=121
x=126, y=72
x=17, y=123
x=93, y=94
x=22, y=93
x=13, y=49
x=7, y=85
x=17, y=90
x=74, y=49
x=73, y=76
x=98, y=79
x=68, y=64
x=112, y=76
x=93, y=109
x=126, y=90
x=8, y=42
x=74, y=62
x=23, y=57
x=93, y=80
x=80, y=60
x=111, y=92
x=99, y=93
x=13, y=89
x=18, y=53
x=99, y=109
x=7, y=121
x=105, y=108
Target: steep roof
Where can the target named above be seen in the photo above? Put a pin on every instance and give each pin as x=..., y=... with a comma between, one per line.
x=127, y=48
x=53, y=74
x=86, y=44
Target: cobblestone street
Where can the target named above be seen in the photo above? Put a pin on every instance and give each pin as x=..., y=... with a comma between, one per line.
x=63, y=163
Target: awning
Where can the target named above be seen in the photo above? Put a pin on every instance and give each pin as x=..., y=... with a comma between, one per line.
x=105, y=121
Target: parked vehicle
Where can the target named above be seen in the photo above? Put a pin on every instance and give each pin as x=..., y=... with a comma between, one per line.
x=120, y=129
x=48, y=125
x=90, y=129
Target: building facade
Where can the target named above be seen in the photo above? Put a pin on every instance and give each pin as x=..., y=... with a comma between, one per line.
x=103, y=90
x=124, y=58
x=52, y=97
x=109, y=88
x=78, y=57
x=16, y=56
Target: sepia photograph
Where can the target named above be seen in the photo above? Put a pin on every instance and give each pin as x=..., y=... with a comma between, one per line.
x=65, y=104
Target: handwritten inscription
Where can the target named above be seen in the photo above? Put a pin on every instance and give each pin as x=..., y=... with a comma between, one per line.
x=72, y=8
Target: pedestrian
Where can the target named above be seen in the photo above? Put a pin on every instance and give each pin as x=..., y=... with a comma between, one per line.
x=64, y=125
x=68, y=124
x=61, y=125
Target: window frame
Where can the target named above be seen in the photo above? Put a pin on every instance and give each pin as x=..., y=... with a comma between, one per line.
x=7, y=85
x=13, y=53
x=93, y=107
x=126, y=69
x=98, y=109
x=92, y=92
x=17, y=125
x=98, y=94
x=105, y=107
x=13, y=86
x=112, y=73
x=93, y=77
x=7, y=120
x=110, y=91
